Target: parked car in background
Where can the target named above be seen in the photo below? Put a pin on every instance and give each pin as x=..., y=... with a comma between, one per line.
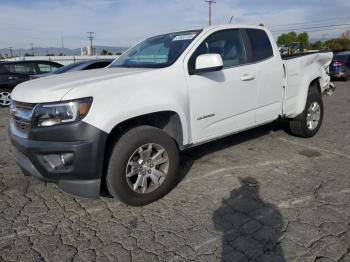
x=78, y=66
x=340, y=66
x=14, y=73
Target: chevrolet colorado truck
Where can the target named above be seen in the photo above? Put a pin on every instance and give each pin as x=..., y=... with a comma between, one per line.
x=122, y=127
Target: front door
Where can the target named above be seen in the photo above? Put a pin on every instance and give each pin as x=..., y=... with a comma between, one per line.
x=223, y=101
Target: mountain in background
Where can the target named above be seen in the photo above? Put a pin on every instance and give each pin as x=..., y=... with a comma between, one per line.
x=41, y=51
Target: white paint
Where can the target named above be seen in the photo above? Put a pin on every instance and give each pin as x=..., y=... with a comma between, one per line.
x=233, y=103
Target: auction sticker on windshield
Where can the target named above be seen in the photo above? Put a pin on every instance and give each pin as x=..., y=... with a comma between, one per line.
x=184, y=37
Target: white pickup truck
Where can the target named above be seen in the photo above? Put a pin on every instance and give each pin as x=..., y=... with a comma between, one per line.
x=123, y=126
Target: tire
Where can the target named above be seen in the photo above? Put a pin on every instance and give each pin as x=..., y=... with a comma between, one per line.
x=126, y=157
x=299, y=125
x=5, y=96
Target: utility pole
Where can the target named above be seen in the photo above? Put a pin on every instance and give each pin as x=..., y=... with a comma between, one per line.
x=90, y=37
x=210, y=2
x=32, y=48
x=10, y=50
x=62, y=45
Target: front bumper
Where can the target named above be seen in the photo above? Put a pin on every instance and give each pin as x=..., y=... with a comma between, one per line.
x=69, y=155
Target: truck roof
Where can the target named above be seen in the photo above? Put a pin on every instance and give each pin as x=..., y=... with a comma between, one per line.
x=224, y=26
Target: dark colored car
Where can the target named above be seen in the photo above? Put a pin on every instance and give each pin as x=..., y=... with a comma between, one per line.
x=340, y=66
x=78, y=66
x=14, y=73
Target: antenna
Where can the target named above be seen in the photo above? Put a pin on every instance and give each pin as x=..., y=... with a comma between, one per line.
x=210, y=2
x=231, y=19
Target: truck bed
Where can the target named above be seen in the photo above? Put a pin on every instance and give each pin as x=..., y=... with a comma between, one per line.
x=300, y=70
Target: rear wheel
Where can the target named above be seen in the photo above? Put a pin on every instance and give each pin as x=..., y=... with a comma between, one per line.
x=309, y=121
x=143, y=166
x=5, y=97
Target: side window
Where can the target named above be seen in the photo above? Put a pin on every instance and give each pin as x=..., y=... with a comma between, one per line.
x=260, y=44
x=2, y=69
x=25, y=68
x=46, y=68
x=227, y=43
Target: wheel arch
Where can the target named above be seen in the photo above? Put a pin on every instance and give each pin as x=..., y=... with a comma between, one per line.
x=168, y=121
x=310, y=84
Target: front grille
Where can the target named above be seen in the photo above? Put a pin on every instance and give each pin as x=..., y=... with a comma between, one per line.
x=22, y=115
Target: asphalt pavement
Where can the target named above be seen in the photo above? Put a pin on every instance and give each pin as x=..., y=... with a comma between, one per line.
x=261, y=195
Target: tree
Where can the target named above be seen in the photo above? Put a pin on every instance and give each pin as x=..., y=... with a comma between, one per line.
x=28, y=54
x=338, y=44
x=304, y=38
x=105, y=52
x=318, y=45
x=286, y=39
x=1, y=57
x=292, y=37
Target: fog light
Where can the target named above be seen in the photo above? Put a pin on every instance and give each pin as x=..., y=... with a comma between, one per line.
x=67, y=159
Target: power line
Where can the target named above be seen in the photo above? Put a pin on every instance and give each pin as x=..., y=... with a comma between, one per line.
x=312, y=22
x=329, y=29
x=310, y=27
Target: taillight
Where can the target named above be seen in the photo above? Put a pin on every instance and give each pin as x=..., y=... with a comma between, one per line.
x=337, y=63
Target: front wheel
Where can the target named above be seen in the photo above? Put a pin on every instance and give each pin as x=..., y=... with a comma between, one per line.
x=5, y=97
x=143, y=166
x=309, y=121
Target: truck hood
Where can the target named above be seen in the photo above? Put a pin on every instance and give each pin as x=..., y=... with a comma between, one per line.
x=53, y=88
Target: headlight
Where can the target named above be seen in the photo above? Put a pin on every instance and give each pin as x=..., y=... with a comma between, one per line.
x=61, y=113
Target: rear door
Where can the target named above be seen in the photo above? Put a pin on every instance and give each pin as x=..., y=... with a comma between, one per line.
x=223, y=101
x=270, y=73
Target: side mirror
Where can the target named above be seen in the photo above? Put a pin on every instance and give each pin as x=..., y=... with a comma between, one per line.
x=208, y=63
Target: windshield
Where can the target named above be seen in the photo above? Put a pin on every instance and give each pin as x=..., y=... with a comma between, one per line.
x=156, y=52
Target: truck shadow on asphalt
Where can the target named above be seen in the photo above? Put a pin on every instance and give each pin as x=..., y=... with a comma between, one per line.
x=250, y=227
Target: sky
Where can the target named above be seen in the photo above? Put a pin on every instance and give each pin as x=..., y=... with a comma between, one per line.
x=124, y=22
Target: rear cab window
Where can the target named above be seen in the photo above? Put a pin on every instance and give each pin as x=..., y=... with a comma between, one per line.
x=260, y=45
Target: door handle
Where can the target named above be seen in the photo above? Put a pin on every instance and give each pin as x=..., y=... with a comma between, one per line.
x=248, y=77
x=12, y=77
